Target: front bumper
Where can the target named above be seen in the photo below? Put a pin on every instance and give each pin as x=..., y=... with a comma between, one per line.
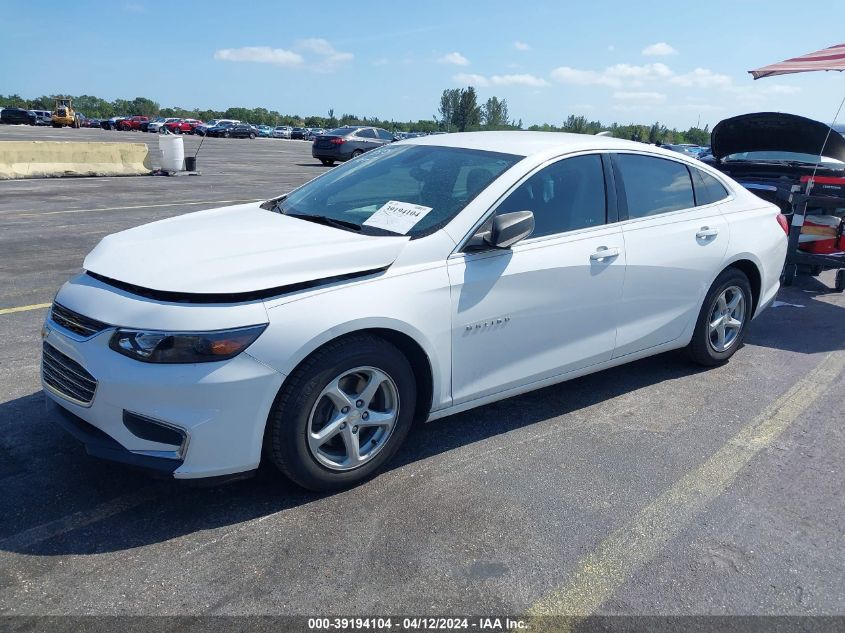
x=219, y=409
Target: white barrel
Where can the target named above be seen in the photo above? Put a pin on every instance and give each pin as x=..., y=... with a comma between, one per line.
x=172, y=152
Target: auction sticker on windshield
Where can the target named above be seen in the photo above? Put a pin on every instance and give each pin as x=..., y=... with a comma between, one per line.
x=397, y=217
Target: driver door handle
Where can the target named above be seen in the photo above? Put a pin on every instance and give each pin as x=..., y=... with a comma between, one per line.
x=705, y=232
x=603, y=252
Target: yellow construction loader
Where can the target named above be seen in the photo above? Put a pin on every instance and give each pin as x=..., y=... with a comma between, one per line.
x=63, y=114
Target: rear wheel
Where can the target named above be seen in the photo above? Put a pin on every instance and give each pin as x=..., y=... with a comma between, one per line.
x=225, y=135
x=723, y=319
x=342, y=414
x=251, y=135
x=357, y=152
x=177, y=130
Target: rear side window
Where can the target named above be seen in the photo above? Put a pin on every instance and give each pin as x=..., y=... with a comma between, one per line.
x=366, y=134
x=564, y=196
x=707, y=189
x=654, y=185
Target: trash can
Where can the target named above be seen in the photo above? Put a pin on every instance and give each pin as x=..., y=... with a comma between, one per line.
x=190, y=163
x=172, y=149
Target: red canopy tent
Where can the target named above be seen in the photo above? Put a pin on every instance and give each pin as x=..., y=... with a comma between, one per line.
x=832, y=58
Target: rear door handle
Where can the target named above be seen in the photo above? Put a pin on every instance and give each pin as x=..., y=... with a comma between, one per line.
x=706, y=232
x=603, y=252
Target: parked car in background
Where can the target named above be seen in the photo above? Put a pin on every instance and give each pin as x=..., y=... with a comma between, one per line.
x=314, y=132
x=348, y=142
x=299, y=133
x=232, y=130
x=770, y=152
x=202, y=345
x=93, y=123
x=17, y=116
x=132, y=123
x=281, y=131
x=265, y=131
x=182, y=126
x=43, y=117
x=157, y=123
x=202, y=129
x=112, y=123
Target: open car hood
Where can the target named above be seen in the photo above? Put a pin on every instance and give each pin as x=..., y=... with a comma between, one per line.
x=775, y=131
x=240, y=250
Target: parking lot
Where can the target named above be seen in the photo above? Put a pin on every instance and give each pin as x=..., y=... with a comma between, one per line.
x=652, y=488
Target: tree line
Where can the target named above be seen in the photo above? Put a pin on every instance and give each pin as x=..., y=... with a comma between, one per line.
x=458, y=110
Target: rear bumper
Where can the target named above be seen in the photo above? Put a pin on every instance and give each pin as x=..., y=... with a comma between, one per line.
x=330, y=154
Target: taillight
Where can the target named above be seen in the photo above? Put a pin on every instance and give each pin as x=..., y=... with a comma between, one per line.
x=338, y=141
x=784, y=223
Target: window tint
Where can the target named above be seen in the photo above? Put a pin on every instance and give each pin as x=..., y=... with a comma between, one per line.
x=654, y=185
x=368, y=133
x=565, y=196
x=707, y=188
x=384, y=135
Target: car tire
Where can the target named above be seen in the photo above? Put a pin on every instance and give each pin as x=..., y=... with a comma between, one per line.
x=357, y=152
x=731, y=286
x=840, y=280
x=252, y=136
x=790, y=272
x=176, y=130
x=328, y=162
x=302, y=406
x=225, y=135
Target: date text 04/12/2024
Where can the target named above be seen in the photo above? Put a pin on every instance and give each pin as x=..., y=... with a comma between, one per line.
x=417, y=624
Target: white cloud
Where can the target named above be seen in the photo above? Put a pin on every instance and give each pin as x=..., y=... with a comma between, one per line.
x=519, y=80
x=521, y=46
x=616, y=76
x=261, y=55
x=470, y=79
x=660, y=49
x=454, y=58
x=640, y=97
x=568, y=75
x=330, y=58
x=702, y=78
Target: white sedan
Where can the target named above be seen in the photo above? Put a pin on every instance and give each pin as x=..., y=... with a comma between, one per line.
x=421, y=279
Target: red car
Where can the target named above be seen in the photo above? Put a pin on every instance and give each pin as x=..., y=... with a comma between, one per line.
x=132, y=123
x=183, y=126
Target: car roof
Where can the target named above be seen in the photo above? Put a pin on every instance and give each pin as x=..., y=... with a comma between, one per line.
x=526, y=143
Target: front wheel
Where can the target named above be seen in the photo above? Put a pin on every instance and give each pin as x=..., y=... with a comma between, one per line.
x=723, y=320
x=225, y=135
x=342, y=414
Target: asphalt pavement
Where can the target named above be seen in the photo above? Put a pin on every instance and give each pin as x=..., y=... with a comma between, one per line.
x=652, y=488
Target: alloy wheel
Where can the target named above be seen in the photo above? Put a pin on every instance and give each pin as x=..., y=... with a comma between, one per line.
x=353, y=418
x=726, y=319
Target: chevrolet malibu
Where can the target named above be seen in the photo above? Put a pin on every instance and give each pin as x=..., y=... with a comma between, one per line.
x=422, y=279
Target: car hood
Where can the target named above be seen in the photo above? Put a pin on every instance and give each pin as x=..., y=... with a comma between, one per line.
x=775, y=131
x=236, y=250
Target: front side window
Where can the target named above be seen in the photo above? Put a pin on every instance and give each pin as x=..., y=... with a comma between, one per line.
x=654, y=185
x=442, y=179
x=385, y=135
x=565, y=196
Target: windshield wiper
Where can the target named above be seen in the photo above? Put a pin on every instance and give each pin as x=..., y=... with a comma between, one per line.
x=326, y=220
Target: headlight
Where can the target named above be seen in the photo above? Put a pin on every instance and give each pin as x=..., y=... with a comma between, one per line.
x=184, y=347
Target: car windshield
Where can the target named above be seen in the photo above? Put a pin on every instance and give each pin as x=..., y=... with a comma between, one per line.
x=785, y=157
x=440, y=180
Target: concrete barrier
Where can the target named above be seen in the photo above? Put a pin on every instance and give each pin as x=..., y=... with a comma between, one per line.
x=46, y=159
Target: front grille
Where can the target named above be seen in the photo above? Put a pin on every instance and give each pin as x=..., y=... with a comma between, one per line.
x=67, y=377
x=75, y=322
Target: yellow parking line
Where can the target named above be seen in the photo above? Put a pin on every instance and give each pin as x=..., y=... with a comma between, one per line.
x=34, y=306
x=28, y=214
x=603, y=571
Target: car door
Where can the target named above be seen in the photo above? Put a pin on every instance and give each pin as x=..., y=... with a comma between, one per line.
x=384, y=137
x=548, y=305
x=366, y=139
x=674, y=248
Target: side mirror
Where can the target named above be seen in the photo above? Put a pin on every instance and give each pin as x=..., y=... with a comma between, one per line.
x=503, y=231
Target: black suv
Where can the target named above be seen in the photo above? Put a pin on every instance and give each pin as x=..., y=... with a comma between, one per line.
x=348, y=142
x=232, y=130
x=17, y=115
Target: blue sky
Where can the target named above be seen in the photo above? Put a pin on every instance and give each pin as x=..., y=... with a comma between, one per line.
x=678, y=62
